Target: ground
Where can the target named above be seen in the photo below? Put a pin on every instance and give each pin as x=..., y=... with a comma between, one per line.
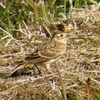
x=76, y=73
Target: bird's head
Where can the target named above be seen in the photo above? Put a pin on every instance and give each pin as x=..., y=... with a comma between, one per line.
x=61, y=37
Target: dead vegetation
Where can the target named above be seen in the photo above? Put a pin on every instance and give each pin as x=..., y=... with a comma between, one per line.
x=79, y=67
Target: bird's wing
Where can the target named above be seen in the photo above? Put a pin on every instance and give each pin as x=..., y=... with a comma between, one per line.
x=49, y=54
x=41, y=56
x=43, y=51
x=52, y=50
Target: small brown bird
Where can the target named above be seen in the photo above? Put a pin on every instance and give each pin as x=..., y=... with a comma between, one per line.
x=46, y=54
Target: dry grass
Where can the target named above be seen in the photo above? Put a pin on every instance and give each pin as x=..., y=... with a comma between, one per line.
x=79, y=67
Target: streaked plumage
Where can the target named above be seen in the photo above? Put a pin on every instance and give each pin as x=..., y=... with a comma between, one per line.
x=46, y=53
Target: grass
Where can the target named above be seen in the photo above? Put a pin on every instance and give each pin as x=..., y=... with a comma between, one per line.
x=14, y=14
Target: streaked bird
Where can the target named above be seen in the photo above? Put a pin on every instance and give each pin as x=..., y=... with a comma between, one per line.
x=46, y=54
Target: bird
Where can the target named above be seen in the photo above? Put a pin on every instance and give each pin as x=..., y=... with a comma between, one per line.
x=46, y=53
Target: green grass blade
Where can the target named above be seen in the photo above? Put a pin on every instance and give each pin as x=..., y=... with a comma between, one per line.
x=5, y=10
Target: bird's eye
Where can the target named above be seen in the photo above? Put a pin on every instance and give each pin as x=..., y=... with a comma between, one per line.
x=61, y=35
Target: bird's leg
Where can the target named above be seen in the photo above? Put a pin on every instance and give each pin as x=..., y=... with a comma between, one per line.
x=48, y=68
x=37, y=69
